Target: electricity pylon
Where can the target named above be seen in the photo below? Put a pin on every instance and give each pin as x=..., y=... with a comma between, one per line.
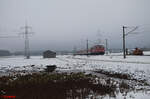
x=26, y=37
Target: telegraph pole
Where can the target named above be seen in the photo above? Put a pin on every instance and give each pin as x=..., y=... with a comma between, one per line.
x=124, y=51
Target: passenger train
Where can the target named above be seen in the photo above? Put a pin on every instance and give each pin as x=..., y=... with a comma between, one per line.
x=95, y=50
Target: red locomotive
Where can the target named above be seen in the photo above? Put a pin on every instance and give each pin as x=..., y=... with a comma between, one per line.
x=95, y=50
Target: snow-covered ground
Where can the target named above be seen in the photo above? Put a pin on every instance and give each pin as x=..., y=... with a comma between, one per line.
x=146, y=52
x=137, y=66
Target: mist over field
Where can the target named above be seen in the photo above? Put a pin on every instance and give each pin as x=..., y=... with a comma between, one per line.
x=63, y=24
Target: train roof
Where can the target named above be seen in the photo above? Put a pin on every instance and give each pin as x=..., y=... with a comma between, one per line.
x=100, y=45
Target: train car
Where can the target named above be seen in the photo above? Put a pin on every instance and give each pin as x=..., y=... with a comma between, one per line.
x=136, y=51
x=95, y=50
x=81, y=52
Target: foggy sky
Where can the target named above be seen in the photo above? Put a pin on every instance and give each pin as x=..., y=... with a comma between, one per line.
x=63, y=24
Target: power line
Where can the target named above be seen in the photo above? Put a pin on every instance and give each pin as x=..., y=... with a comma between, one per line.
x=9, y=36
x=131, y=32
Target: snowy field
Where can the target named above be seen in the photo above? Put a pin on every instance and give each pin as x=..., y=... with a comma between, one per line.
x=137, y=66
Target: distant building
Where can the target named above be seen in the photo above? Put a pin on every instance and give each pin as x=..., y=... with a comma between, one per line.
x=49, y=54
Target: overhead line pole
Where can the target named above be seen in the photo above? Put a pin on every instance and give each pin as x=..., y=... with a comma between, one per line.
x=87, y=46
x=124, y=35
x=74, y=51
x=106, y=46
x=124, y=52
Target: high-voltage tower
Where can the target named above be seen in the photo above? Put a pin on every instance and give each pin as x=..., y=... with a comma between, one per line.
x=26, y=37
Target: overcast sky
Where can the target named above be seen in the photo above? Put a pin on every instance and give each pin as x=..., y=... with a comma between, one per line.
x=62, y=24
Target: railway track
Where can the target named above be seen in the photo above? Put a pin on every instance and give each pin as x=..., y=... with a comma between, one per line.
x=119, y=61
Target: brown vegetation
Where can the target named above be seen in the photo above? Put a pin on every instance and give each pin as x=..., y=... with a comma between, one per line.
x=53, y=86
